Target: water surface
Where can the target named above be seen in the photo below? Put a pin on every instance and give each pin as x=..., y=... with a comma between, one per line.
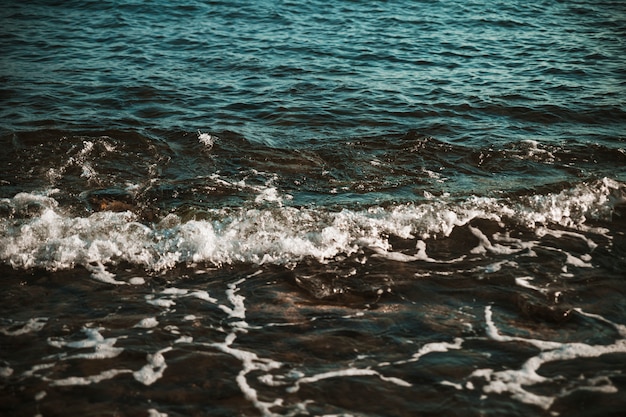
x=334, y=208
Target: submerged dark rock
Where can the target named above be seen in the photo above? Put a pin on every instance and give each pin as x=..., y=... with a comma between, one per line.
x=542, y=310
x=357, y=291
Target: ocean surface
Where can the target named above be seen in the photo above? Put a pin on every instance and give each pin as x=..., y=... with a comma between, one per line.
x=321, y=208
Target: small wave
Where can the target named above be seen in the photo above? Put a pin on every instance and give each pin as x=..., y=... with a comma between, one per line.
x=48, y=238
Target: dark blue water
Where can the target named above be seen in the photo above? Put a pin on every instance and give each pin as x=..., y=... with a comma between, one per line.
x=389, y=208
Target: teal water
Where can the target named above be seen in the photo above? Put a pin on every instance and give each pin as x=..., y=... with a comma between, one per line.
x=279, y=71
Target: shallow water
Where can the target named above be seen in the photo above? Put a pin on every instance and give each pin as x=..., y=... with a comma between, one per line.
x=395, y=208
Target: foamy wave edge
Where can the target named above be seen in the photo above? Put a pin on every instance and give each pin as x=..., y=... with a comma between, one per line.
x=276, y=235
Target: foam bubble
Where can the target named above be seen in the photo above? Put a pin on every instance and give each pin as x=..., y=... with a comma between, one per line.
x=160, y=302
x=206, y=139
x=153, y=370
x=147, y=323
x=184, y=339
x=152, y=412
x=168, y=296
x=6, y=371
x=99, y=272
x=454, y=385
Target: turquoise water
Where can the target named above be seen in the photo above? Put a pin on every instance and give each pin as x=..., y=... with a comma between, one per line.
x=281, y=71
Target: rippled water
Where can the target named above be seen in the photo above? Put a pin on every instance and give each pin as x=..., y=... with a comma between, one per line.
x=333, y=208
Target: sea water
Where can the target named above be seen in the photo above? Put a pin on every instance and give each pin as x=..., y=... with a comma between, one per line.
x=278, y=208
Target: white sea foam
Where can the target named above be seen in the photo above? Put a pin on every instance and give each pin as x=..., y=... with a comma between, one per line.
x=147, y=323
x=99, y=272
x=6, y=371
x=281, y=234
x=532, y=150
x=206, y=139
x=543, y=231
x=250, y=361
x=452, y=384
x=19, y=328
x=430, y=348
x=202, y=295
x=571, y=207
x=154, y=369
x=88, y=380
x=516, y=381
x=485, y=245
x=160, y=302
x=525, y=282
x=184, y=339
x=36, y=368
x=238, y=309
x=152, y=412
x=103, y=348
x=167, y=298
x=346, y=373
x=80, y=158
